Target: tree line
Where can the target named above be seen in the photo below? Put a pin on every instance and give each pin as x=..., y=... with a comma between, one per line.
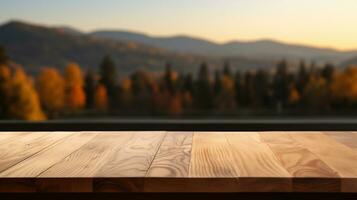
x=54, y=94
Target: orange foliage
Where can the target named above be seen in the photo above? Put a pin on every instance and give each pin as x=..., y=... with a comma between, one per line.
x=73, y=75
x=126, y=95
x=101, y=98
x=75, y=95
x=294, y=96
x=50, y=86
x=5, y=73
x=175, y=105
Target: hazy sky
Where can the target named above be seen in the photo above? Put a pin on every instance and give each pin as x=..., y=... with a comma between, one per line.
x=327, y=23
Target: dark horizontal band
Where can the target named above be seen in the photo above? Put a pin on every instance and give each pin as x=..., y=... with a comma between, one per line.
x=184, y=125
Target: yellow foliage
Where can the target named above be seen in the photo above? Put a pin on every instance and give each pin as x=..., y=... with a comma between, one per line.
x=344, y=85
x=24, y=103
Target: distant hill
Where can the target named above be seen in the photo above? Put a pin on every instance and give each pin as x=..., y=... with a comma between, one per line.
x=261, y=49
x=350, y=62
x=35, y=46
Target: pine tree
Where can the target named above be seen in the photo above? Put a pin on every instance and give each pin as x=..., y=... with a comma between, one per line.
x=170, y=78
x=108, y=78
x=203, y=95
x=282, y=83
x=3, y=56
x=5, y=90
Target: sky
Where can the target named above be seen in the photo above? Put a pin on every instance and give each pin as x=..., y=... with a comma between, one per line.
x=322, y=23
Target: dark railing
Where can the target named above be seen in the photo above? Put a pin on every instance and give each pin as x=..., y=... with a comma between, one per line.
x=305, y=124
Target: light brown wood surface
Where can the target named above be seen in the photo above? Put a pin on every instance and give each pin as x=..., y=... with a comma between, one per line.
x=178, y=162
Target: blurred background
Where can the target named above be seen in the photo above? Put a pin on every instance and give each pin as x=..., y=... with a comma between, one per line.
x=177, y=59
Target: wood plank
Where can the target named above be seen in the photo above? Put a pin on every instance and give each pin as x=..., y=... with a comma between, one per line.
x=211, y=168
x=134, y=159
x=338, y=156
x=347, y=138
x=212, y=156
x=310, y=173
x=170, y=167
x=259, y=169
x=20, y=147
x=253, y=157
x=88, y=159
x=173, y=157
x=36, y=164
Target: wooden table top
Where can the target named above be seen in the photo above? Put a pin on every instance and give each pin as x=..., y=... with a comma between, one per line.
x=178, y=162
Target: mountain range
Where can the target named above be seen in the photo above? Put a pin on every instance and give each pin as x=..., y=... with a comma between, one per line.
x=35, y=46
x=261, y=49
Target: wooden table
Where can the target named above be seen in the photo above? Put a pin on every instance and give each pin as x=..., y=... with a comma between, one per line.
x=178, y=162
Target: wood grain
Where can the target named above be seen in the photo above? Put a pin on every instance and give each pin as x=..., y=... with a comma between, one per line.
x=36, y=164
x=178, y=162
x=310, y=173
x=173, y=157
x=347, y=138
x=336, y=155
x=16, y=149
x=134, y=159
x=8, y=135
x=297, y=159
x=253, y=157
x=88, y=159
x=212, y=156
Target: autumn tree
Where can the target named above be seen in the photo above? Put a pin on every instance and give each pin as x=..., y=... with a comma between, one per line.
x=51, y=88
x=74, y=90
x=294, y=96
x=315, y=96
x=24, y=102
x=126, y=94
x=170, y=80
x=224, y=90
x=344, y=87
x=101, y=98
x=108, y=77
